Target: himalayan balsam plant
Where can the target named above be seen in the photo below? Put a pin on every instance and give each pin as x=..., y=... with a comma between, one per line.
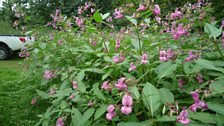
x=160, y=69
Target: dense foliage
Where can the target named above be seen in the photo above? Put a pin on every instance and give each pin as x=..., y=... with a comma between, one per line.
x=154, y=71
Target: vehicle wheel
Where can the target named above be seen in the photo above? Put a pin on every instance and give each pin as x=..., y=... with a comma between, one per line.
x=4, y=52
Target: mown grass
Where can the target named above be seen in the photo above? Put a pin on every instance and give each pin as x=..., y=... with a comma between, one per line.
x=15, y=96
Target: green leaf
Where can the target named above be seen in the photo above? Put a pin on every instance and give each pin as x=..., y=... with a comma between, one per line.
x=97, y=16
x=42, y=94
x=105, y=15
x=217, y=87
x=166, y=118
x=132, y=20
x=95, y=70
x=151, y=98
x=168, y=70
x=98, y=92
x=76, y=116
x=81, y=87
x=107, y=74
x=212, y=30
x=206, y=64
x=219, y=108
x=203, y=117
x=144, y=123
x=100, y=111
x=80, y=76
x=135, y=92
x=86, y=116
x=166, y=96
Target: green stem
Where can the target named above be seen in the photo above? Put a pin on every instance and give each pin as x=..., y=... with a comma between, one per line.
x=139, y=43
x=101, y=33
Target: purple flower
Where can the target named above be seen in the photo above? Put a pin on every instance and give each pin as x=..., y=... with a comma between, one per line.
x=181, y=82
x=179, y=31
x=141, y=8
x=199, y=77
x=118, y=43
x=182, y=118
x=106, y=86
x=144, y=58
x=60, y=122
x=118, y=14
x=195, y=95
x=162, y=56
x=157, y=10
x=127, y=100
x=48, y=74
x=74, y=84
x=80, y=10
x=79, y=22
x=132, y=67
x=176, y=14
x=197, y=102
x=110, y=112
x=121, y=85
x=126, y=110
x=60, y=41
x=191, y=56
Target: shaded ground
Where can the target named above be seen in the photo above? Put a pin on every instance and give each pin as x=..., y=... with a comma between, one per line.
x=15, y=108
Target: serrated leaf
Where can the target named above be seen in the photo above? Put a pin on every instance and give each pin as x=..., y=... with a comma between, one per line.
x=100, y=111
x=212, y=30
x=151, y=98
x=217, y=87
x=167, y=71
x=98, y=92
x=95, y=70
x=42, y=94
x=80, y=76
x=206, y=64
x=166, y=96
x=76, y=116
x=166, y=118
x=107, y=74
x=132, y=20
x=203, y=117
x=219, y=108
x=135, y=92
x=97, y=16
x=86, y=116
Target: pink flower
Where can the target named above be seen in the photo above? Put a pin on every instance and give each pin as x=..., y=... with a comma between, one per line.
x=48, y=74
x=121, y=85
x=118, y=43
x=195, y=95
x=118, y=59
x=92, y=10
x=179, y=31
x=34, y=101
x=197, y=102
x=126, y=110
x=162, y=56
x=157, y=10
x=132, y=67
x=110, y=112
x=74, y=84
x=52, y=91
x=222, y=24
x=176, y=14
x=141, y=8
x=118, y=14
x=106, y=86
x=87, y=6
x=60, y=122
x=60, y=41
x=79, y=22
x=170, y=54
x=182, y=118
x=90, y=103
x=181, y=82
x=158, y=20
x=144, y=58
x=72, y=96
x=109, y=19
x=80, y=10
x=199, y=77
x=191, y=56
x=110, y=108
x=127, y=100
x=57, y=12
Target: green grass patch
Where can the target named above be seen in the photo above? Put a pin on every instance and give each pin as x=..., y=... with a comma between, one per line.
x=15, y=96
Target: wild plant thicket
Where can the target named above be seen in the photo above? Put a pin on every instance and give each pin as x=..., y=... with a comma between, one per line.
x=155, y=70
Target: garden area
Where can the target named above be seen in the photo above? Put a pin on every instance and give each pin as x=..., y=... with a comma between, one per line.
x=114, y=63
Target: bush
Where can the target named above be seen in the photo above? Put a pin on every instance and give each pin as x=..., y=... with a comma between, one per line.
x=150, y=73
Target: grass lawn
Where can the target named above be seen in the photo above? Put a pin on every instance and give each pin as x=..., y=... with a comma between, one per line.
x=15, y=97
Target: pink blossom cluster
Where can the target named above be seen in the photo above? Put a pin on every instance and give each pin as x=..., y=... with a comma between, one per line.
x=87, y=6
x=157, y=10
x=118, y=43
x=197, y=102
x=127, y=104
x=179, y=31
x=176, y=15
x=132, y=67
x=191, y=56
x=60, y=122
x=118, y=14
x=110, y=112
x=183, y=117
x=121, y=85
x=199, y=77
x=141, y=8
x=24, y=53
x=34, y=101
x=74, y=85
x=57, y=18
x=166, y=55
x=48, y=74
x=118, y=59
x=79, y=21
x=144, y=58
x=106, y=86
